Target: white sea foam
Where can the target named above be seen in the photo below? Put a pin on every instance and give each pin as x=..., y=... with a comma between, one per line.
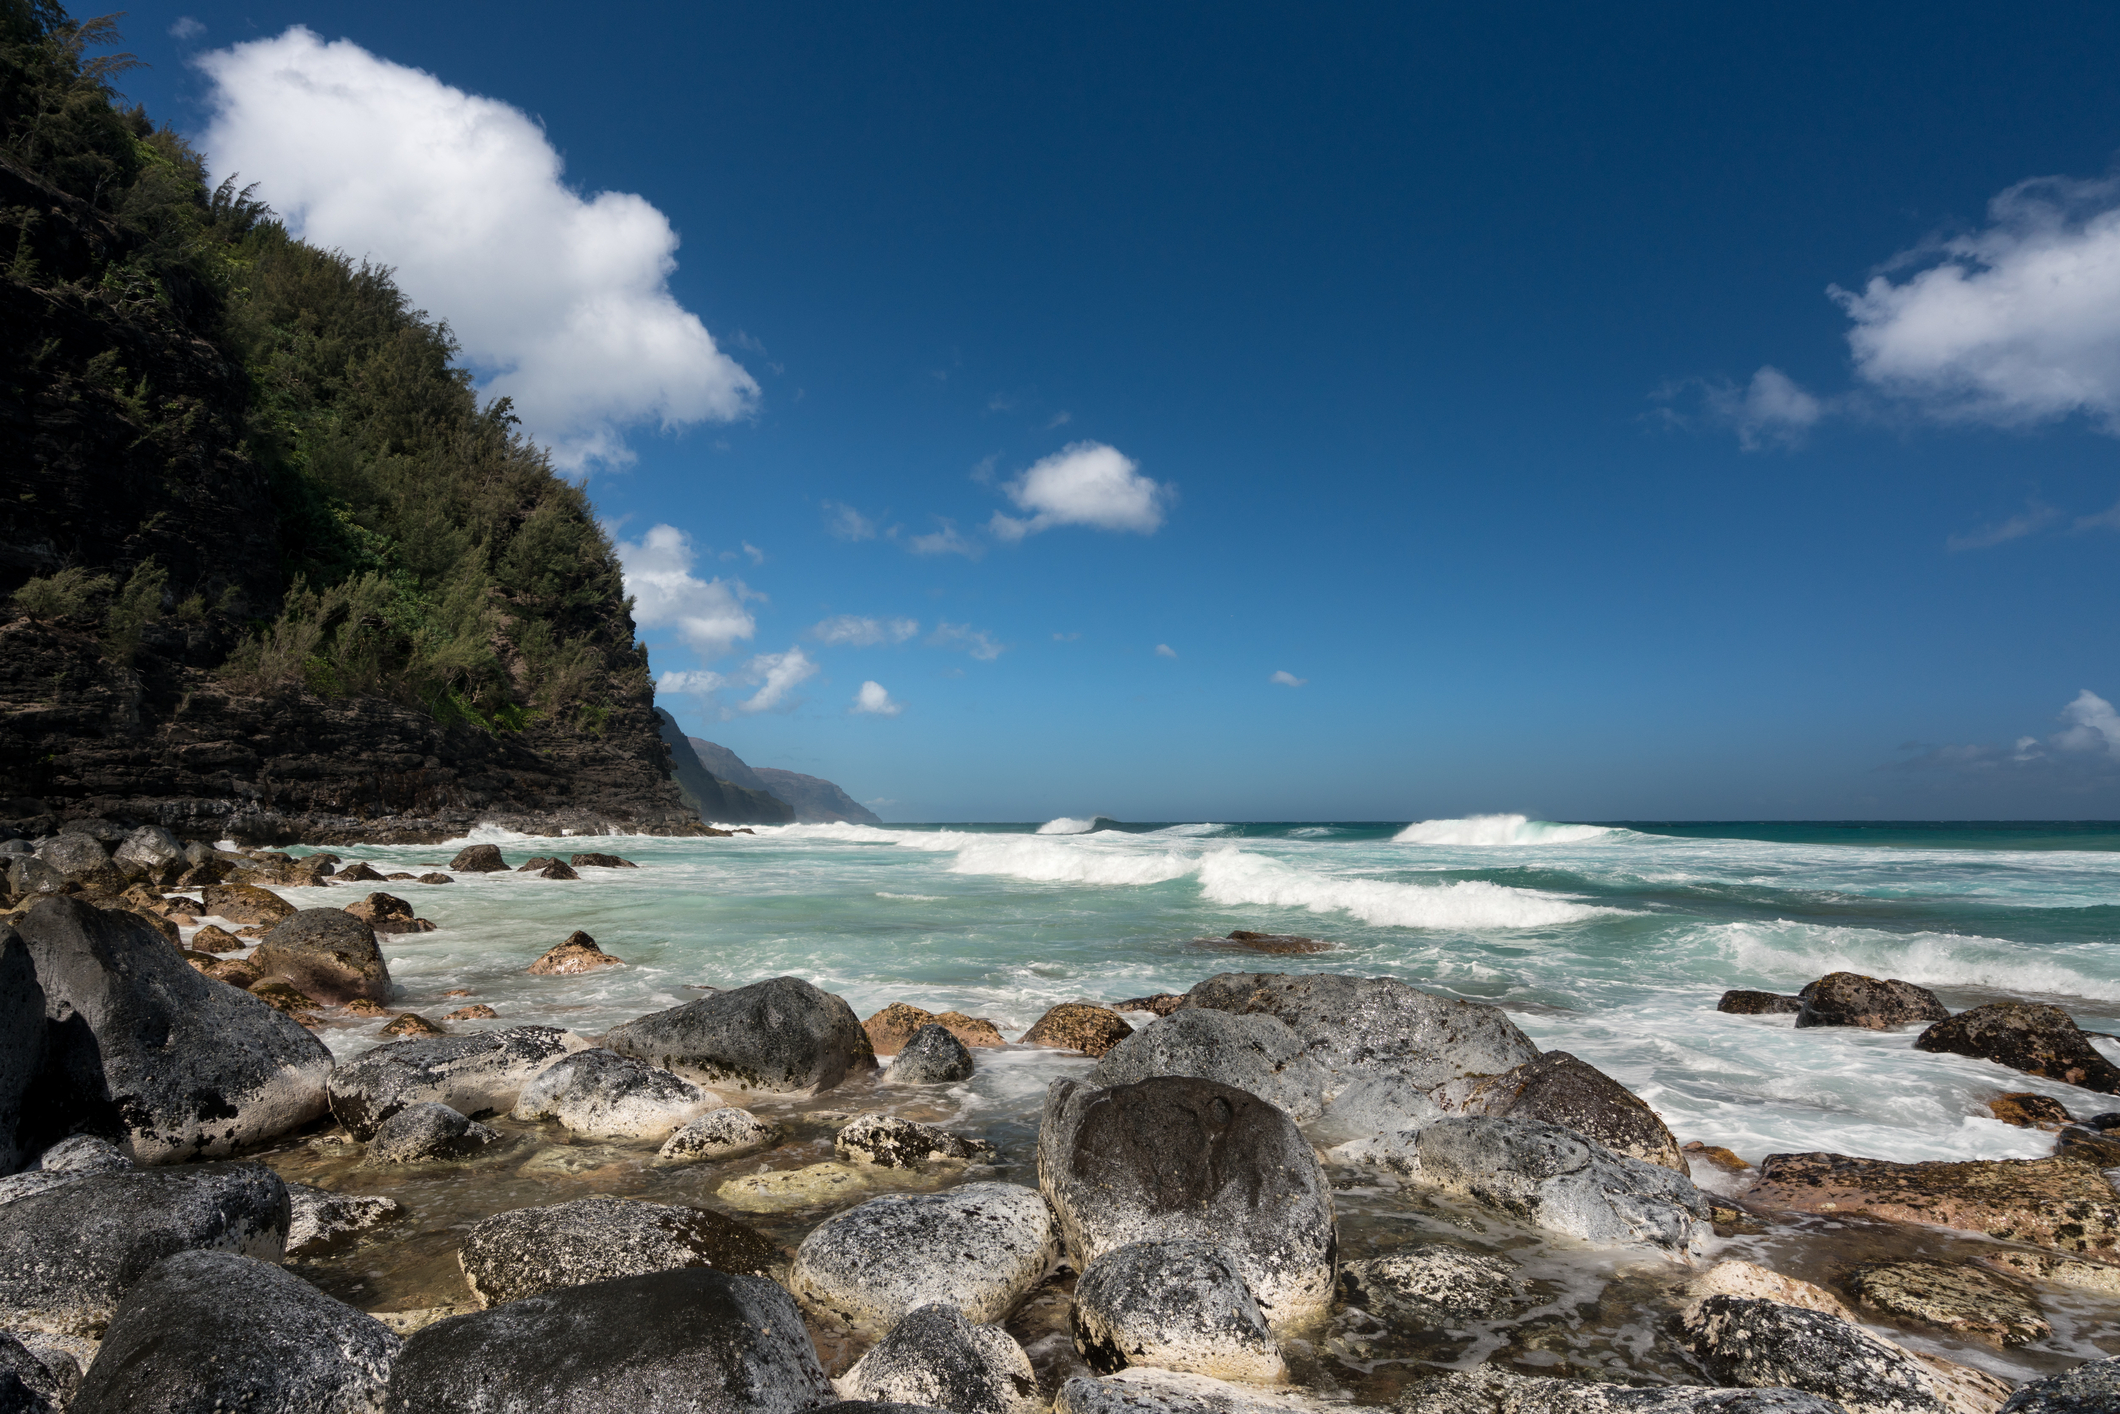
x=1232, y=876
x=1800, y=952
x=1066, y=826
x=913, y=898
x=1492, y=830
x=1049, y=860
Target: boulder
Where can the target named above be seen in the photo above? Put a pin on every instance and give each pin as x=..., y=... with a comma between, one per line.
x=2099, y=1148
x=1735, y=1277
x=781, y=1035
x=1562, y=1090
x=1253, y=1053
x=1144, y=1389
x=69, y=1255
x=1178, y=1157
x=245, y=903
x=1739, y=1002
x=35, y=1380
x=63, y=1163
x=478, y=859
x=149, y=852
x=139, y=1044
x=535, y=863
x=889, y=1142
x=1179, y=1304
x=533, y=1250
x=212, y=938
x=813, y=1186
x=1765, y=1344
x=553, y=869
x=408, y=1023
x=576, y=953
x=359, y=873
x=1873, y=1003
x=1078, y=1026
x=2060, y=1203
x=2091, y=1388
x=719, y=1134
x=429, y=1133
x=2029, y=1111
x=1373, y=1105
x=432, y=879
x=1273, y=944
x=387, y=913
x=320, y=1220
x=2038, y=1040
x=689, y=1341
x=478, y=1074
x=1966, y=1301
x=1549, y=1177
x=1490, y=1389
x=477, y=1011
x=601, y=861
x=34, y=876
x=1160, y=1005
x=601, y=1094
x=212, y=1330
x=327, y=953
x=1430, y=1285
x=2063, y=1271
x=895, y=1024
x=21, y=1043
x=980, y=1249
x=83, y=861
x=935, y=1357
x=932, y=1057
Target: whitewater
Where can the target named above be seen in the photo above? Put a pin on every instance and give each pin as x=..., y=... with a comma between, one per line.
x=1610, y=943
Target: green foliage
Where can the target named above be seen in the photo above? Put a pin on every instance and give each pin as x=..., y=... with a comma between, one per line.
x=61, y=595
x=135, y=606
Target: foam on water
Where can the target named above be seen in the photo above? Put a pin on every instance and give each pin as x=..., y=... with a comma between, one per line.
x=1783, y=949
x=1489, y=831
x=1067, y=826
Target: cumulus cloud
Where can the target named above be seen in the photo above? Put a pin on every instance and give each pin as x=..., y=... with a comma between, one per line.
x=774, y=675
x=1084, y=483
x=873, y=700
x=561, y=301
x=1771, y=410
x=2093, y=726
x=708, y=614
x=1287, y=679
x=975, y=641
x=850, y=631
x=186, y=29
x=843, y=522
x=696, y=684
x=1164, y=650
x=945, y=541
x=2089, y=737
x=2015, y=323
x=2034, y=519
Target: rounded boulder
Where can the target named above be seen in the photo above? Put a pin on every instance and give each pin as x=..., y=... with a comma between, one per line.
x=1257, y=1054
x=478, y=1074
x=326, y=953
x=980, y=1249
x=719, y=1134
x=937, y=1358
x=931, y=1057
x=1178, y=1304
x=533, y=1250
x=603, y=1095
x=2026, y=1036
x=781, y=1035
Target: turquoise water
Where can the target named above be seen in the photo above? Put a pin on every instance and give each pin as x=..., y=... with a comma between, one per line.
x=1609, y=941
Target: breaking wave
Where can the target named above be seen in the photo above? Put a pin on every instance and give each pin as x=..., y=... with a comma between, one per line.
x=1492, y=830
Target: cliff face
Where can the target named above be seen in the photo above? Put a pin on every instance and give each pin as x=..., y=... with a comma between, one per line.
x=814, y=800
x=717, y=800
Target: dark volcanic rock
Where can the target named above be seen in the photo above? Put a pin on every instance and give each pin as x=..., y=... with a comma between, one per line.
x=1489, y=1389
x=893, y=1143
x=1562, y=1090
x=478, y=859
x=2059, y=1203
x=932, y=1057
x=1270, y=943
x=21, y=1042
x=387, y=913
x=479, y=1074
x=778, y=1035
x=692, y=1341
x=553, y=869
x=576, y=953
x=69, y=1255
x=429, y=1133
x=139, y=1043
x=212, y=1330
x=2029, y=1111
x=601, y=861
x=246, y=903
x=30, y=1385
x=1078, y=1026
x=1178, y=1304
x=936, y=1357
x=533, y=1250
x=1765, y=1344
x=2090, y=1388
x=358, y=873
x=1874, y=1003
x=980, y=1248
x=327, y=953
x=1743, y=1003
x=1184, y=1158
x=1256, y=1054
x=2039, y=1040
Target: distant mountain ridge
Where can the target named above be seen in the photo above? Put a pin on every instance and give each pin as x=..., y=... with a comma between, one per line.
x=717, y=800
x=815, y=801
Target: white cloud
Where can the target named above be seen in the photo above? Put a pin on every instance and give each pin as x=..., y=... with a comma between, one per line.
x=2107, y=519
x=2093, y=725
x=2015, y=323
x=2092, y=728
x=1772, y=409
x=849, y=631
x=1067, y=637
x=946, y=541
x=875, y=701
x=1084, y=483
x=843, y=522
x=698, y=684
x=1164, y=650
x=758, y=556
x=975, y=641
x=561, y=301
x=1287, y=679
x=709, y=614
x=777, y=675
x=2033, y=519
x=186, y=28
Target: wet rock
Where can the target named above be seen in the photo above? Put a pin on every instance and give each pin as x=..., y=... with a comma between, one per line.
x=576, y=953
x=889, y=1142
x=553, y=869
x=892, y=1027
x=2091, y=1388
x=535, y=863
x=935, y=1357
x=35, y=1381
x=2098, y=1147
x=979, y=1248
x=320, y=1220
x=1430, y=1285
x=411, y=1023
x=2060, y=1203
x=1279, y=944
x=719, y=1134
x=212, y=1330
x=69, y=1255
x=533, y=1250
x=1176, y=1304
x=695, y=1340
x=138, y=1043
x=1562, y=1090
x=1491, y=1390
x=2064, y=1271
x=1256, y=1054
x=432, y=879
x=149, y=852
x=83, y=861
x=601, y=861
x=1160, y=1005
x=1144, y=1389
x=327, y=953
x=932, y=1057
x=1874, y=1003
x=794, y=1190
x=1734, y=1277
x=63, y=1163
x=246, y=903
x=1374, y=1105
x=478, y=1074
x=1176, y=1157
x=358, y=873
x=1078, y=1026
x=478, y=859
x=2039, y=1040
x=429, y=1133
x=235, y=971
x=477, y=1012
x=361, y=1006
x=387, y=913
x=781, y=1035
x=271, y=991
x=216, y=939
x=1713, y=1154
x=603, y=1095
x=22, y=1040
x=1961, y=1299
x=1764, y=1344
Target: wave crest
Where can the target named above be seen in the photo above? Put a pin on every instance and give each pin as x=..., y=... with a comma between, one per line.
x=1500, y=830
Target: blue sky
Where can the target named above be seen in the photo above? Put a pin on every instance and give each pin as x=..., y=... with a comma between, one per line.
x=1478, y=371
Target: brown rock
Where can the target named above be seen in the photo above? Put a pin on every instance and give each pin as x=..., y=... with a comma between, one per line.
x=601, y=861
x=1278, y=943
x=2061, y=1203
x=1735, y=1277
x=478, y=859
x=1717, y=1155
x=1079, y=1026
x=2064, y=1271
x=888, y=1030
x=142, y=899
x=1161, y=1004
x=535, y=863
x=973, y=1031
x=401, y=878
x=245, y=903
x=367, y=1006
x=2029, y=1111
x=2096, y=1147
x=1743, y=1003
x=281, y=997
x=458, y=992
x=2038, y=1040
x=717, y=834
x=1574, y=1094
x=1873, y=1003
x=1961, y=1299
x=478, y=1012
x=358, y=873
x=177, y=903
x=556, y=870
x=387, y=913
x=234, y=971
x=578, y=953
x=328, y=953
x=411, y=1023
x=434, y=879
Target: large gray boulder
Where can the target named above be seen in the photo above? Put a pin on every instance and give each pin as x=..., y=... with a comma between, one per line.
x=476, y=1075
x=1179, y=1304
x=781, y=1035
x=325, y=953
x=601, y=1094
x=21, y=1043
x=1253, y=1052
x=980, y=1249
x=693, y=1341
x=139, y=1044
x=719, y=1134
x=150, y=852
x=69, y=1256
x=531, y=1250
x=429, y=1133
x=212, y=1330
x=1145, y=1389
x=2091, y=1388
x=931, y=1056
x=1574, y=1094
x=66, y=1162
x=1176, y=1157
x=28, y=1382
x=83, y=860
x=1489, y=1390
x=1549, y=1177
x=938, y=1358
x=1758, y=1343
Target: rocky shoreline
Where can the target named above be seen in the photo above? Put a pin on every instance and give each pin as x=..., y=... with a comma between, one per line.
x=1271, y=1192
